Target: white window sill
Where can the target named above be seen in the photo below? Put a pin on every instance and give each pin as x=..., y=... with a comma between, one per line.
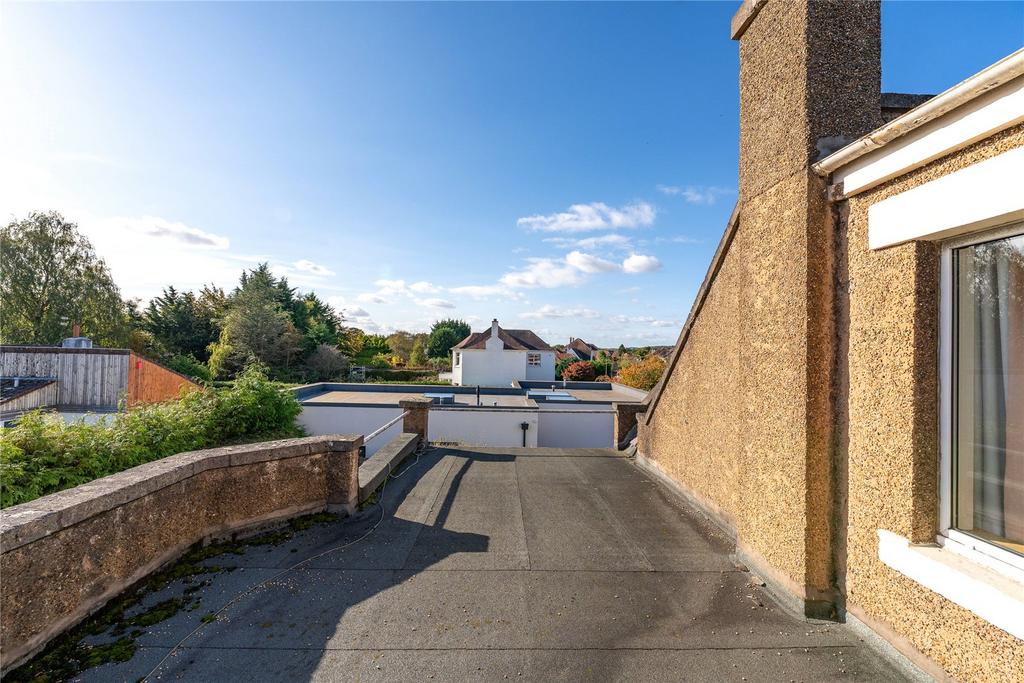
x=995, y=597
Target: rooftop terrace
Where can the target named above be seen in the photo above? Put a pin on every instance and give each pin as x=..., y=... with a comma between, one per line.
x=496, y=564
x=526, y=395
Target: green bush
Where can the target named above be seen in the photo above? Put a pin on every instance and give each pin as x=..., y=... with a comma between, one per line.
x=42, y=454
x=190, y=367
x=412, y=376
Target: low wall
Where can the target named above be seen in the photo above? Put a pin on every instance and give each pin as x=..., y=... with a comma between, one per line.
x=334, y=419
x=483, y=426
x=576, y=427
x=64, y=555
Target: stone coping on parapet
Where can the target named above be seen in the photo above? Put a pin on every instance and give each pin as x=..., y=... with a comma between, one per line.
x=28, y=522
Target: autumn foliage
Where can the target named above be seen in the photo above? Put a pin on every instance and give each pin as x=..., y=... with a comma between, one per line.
x=580, y=371
x=643, y=375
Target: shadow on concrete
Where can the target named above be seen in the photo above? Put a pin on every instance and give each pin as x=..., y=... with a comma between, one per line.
x=281, y=629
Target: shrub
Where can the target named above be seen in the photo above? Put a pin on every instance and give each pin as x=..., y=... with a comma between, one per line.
x=645, y=374
x=326, y=363
x=42, y=454
x=580, y=371
x=190, y=367
x=404, y=375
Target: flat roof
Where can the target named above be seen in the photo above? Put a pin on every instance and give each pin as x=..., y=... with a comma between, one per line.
x=390, y=395
x=391, y=398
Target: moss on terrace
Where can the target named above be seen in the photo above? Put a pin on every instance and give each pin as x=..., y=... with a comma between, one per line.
x=110, y=635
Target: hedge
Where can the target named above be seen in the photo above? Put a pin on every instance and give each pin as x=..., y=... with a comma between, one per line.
x=42, y=454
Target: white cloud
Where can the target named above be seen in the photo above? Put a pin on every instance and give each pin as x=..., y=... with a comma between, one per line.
x=544, y=272
x=355, y=312
x=678, y=239
x=610, y=241
x=424, y=288
x=307, y=266
x=571, y=270
x=486, y=292
x=388, y=290
x=589, y=263
x=146, y=254
x=594, y=216
x=640, y=263
x=696, y=194
x=634, y=319
x=549, y=311
x=174, y=231
x=664, y=323
x=435, y=303
x=389, y=287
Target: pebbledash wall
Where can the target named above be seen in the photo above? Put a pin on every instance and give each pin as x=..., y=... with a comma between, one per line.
x=894, y=433
x=65, y=555
x=801, y=408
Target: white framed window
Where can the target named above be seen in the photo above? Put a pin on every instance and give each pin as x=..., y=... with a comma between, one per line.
x=981, y=515
x=458, y=358
x=533, y=359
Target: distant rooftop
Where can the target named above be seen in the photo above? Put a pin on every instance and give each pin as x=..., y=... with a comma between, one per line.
x=515, y=340
x=526, y=395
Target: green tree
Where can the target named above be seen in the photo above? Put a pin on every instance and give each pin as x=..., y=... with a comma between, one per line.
x=377, y=343
x=444, y=334
x=182, y=324
x=317, y=321
x=256, y=329
x=52, y=278
x=401, y=344
x=418, y=355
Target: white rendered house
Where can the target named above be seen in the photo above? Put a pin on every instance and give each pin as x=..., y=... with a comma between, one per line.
x=498, y=357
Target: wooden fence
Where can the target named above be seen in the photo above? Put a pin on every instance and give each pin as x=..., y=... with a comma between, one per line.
x=94, y=378
x=87, y=378
x=149, y=382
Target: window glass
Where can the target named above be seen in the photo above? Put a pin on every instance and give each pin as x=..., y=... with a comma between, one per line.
x=988, y=337
x=533, y=358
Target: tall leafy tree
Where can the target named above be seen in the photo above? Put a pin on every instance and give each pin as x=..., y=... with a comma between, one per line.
x=52, y=278
x=401, y=343
x=182, y=323
x=444, y=334
x=257, y=328
x=418, y=355
x=318, y=322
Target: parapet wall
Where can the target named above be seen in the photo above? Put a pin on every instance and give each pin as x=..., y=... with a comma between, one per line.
x=64, y=555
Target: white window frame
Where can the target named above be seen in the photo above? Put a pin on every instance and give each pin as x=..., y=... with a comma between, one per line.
x=966, y=545
x=533, y=359
x=458, y=358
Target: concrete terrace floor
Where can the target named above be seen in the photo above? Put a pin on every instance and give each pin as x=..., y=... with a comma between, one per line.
x=517, y=564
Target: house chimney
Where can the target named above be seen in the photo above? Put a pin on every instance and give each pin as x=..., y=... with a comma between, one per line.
x=494, y=328
x=76, y=330
x=810, y=82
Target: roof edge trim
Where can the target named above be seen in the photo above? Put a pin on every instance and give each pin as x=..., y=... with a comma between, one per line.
x=989, y=78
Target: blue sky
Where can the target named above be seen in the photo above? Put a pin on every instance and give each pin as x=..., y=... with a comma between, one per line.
x=563, y=167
